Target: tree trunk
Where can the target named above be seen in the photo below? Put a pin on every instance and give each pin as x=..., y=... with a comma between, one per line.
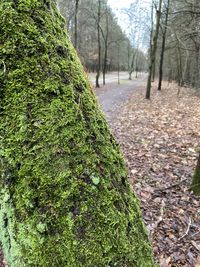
x=131, y=67
x=99, y=44
x=118, y=64
x=148, y=89
x=105, y=52
x=153, y=51
x=154, y=70
x=76, y=23
x=196, y=178
x=196, y=68
x=163, y=48
x=136, y=64
x=128, y=59
x=65, y=199
x=179, y=66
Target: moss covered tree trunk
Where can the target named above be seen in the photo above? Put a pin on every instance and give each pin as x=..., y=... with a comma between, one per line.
x=196, y=178
x=65, y=200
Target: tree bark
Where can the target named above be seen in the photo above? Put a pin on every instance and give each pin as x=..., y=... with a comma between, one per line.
x=105, y=51
x=179, y=66
x=64, y=194
x=154, y=70
x=153, y=51
x=163, y=47
x=99, y=44
x=118, y=64
x=76, y=23
x=131, y=67
x=196, y=68
x=196, y=178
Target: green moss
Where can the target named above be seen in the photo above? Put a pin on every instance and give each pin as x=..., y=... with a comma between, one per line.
x=196, y=178
x=196, y=183
x=65, y=200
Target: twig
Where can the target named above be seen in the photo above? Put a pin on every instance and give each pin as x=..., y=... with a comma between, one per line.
x=188, y=229
x=173, y=185
x=160, y=219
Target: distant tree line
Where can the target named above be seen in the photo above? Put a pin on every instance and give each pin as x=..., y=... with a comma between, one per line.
x=101, y=43
x=183, y=43
x=174, y=52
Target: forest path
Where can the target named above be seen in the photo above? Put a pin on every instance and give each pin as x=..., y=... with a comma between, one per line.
x=160, y=139
x=113, y=96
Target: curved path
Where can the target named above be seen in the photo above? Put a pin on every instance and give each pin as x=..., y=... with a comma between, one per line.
x=112, y=96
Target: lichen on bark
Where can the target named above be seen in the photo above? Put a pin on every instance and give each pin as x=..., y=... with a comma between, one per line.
x=65, y=199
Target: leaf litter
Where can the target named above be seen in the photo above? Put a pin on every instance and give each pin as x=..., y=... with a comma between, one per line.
x=160, y=139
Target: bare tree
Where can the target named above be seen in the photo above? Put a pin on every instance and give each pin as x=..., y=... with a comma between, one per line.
x=163, y=45
x=138, y=18
x=99, y=43
x=182, y=62
x=153, y=49
x=76, y=23
x=105, y=36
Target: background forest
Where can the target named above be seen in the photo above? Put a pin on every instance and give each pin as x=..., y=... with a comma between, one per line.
x=177, y=40
x=117, y=51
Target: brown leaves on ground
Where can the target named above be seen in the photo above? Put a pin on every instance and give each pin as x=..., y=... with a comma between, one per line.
x=160, y=139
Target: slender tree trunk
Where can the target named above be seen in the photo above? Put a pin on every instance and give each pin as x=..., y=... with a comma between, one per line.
x=170, y=73
x=131, y=67
x=105, y=65
x=99, y=44
x=154, y=70
x=148, y=89
x=196, y=179
x=196, y=69
x=105, y=52
x=65, y=199
x=128, y=59
x=153, y=51
x=163, y=47
x=180, y=66
x=118, y=64
x=76, y=23
x=136, y=64
x=130, y=75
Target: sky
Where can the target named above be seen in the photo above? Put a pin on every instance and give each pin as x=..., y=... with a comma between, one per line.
x=116, y=6
x=119, y=3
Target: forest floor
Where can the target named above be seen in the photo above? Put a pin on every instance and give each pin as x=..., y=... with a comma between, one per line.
x=160, y=139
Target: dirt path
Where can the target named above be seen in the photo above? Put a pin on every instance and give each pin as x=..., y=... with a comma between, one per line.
x=112, y=96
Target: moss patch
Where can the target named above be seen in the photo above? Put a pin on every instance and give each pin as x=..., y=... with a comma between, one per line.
x=196, y=183
x=64, y=200
x=196, y=179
